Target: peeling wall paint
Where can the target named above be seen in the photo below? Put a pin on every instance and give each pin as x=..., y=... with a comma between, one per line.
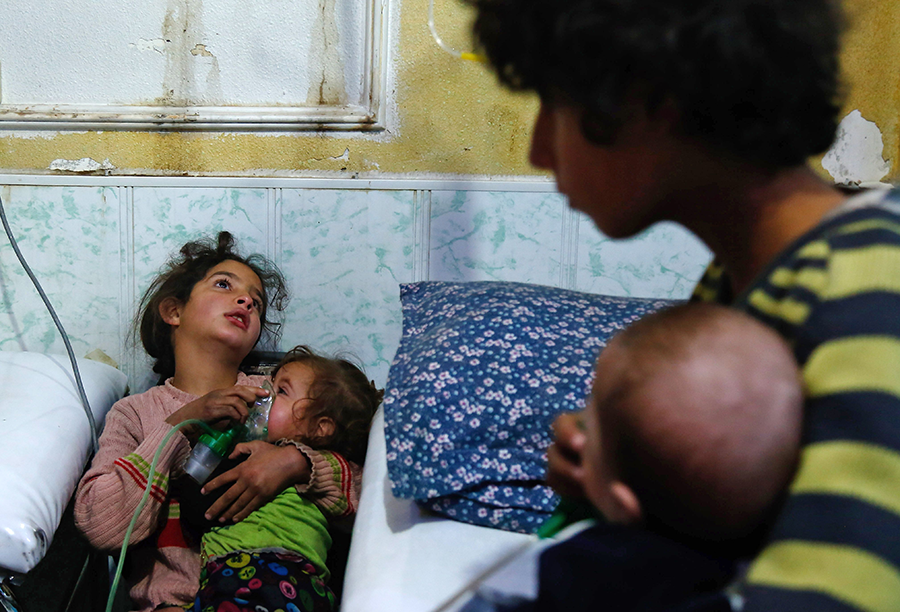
x=200, y=49
x=856, y=157
x=85, y=165
x=157, y=45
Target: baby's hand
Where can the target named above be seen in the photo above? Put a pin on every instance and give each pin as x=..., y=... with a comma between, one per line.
x=565, y=471
x=217, y=407
x=267, y=471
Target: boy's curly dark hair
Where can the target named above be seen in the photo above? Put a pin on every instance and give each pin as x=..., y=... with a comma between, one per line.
x=755, y=78
x=341, y=391
x=177, y=279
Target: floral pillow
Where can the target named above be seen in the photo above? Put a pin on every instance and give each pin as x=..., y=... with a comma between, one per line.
x=481, y=371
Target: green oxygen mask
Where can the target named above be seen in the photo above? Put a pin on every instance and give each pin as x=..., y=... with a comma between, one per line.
x=214, y=446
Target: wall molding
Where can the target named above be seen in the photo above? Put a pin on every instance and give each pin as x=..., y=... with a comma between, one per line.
x=422, y=235
x=568, y=259
x=128, y=292
x=513, y=184
x=181, y=102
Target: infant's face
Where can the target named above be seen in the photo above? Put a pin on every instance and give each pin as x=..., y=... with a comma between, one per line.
x=287, y=417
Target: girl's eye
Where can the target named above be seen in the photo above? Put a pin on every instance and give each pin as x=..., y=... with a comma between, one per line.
x=223, y=283
x=257, y=305
x=281, y=391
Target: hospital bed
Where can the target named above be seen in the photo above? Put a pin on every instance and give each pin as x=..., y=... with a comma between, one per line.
x=452, y=488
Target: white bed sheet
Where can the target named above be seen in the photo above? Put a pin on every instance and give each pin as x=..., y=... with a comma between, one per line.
x=404, y=560
x=45, y=441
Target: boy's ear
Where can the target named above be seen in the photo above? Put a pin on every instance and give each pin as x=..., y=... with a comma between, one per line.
x=627, y=503
x=170, y=311
x=325, y=427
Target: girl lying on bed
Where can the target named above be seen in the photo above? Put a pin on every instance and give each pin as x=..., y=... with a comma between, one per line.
x=276, y=556
x=199, y=319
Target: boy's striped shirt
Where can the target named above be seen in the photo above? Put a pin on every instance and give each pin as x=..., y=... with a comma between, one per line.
x=835, y=296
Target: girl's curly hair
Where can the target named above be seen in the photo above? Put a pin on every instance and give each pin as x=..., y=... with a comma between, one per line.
x=755, y=78
x=340, y=391
x=177, y=279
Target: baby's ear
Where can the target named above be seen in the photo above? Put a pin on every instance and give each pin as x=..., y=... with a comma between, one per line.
x=170, y=311
x=325, y=428
x=628, y=506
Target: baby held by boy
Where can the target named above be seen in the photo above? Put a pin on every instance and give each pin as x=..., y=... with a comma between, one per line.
x=691, y=436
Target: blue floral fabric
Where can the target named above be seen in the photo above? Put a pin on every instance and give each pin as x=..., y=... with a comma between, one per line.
x=482, y=370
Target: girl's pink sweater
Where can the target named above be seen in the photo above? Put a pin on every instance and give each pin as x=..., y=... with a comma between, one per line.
x=164, y=563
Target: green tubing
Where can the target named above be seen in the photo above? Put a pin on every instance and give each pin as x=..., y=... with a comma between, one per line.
x=115, y=583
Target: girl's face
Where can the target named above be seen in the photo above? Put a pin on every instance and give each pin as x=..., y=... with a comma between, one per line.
x=287, y=416
x=222, y=310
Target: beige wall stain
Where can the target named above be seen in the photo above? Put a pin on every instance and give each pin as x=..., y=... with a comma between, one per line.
x=871, y=70
x=177, y=32
x=326, y=74
x=452, y=116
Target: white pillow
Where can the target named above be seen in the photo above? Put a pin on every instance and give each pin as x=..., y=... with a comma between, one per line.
x=44, y=443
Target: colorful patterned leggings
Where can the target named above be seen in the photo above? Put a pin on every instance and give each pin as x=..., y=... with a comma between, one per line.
x=262, y=582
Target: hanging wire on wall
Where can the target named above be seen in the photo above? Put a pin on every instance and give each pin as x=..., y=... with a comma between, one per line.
x=474, y=57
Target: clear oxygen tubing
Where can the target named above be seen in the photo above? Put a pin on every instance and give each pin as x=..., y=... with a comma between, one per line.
x=473, y=57
x=84, y=400
x=114, y=586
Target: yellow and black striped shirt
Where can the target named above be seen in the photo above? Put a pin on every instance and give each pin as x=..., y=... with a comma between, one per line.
x=835, y=296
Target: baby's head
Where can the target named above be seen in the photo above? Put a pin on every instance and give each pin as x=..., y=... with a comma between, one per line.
x=694, y=424
x=327, y=403
x=176, y=282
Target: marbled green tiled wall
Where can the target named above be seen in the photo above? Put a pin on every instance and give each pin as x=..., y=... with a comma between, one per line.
x=96, y=248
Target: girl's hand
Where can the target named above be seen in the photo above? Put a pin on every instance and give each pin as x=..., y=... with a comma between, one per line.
x=564, y=457
x=267, y=471
x=217, y=408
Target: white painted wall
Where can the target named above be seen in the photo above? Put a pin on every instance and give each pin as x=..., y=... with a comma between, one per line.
x=188, y=52
x=193, y=64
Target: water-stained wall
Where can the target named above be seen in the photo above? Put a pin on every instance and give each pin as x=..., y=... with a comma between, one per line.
x=446, y=116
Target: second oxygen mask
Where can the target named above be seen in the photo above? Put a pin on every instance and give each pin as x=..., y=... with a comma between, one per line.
x=211, y=448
